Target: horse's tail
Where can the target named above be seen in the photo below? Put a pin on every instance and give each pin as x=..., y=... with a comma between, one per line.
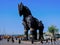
x=41, y=24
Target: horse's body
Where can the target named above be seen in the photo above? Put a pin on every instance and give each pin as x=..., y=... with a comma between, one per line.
x=30, y=22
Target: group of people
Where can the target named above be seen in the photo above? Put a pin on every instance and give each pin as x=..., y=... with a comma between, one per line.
x=13, y=40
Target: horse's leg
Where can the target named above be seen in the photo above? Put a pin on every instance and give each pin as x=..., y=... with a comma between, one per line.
x=35, y=34
x=25, y=30
x=26, y=34
x=32, y=34
x=41, y=35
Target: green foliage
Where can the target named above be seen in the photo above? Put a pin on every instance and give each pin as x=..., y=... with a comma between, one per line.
x=52, y=29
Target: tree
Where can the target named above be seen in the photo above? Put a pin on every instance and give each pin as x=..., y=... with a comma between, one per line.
x=52, y=29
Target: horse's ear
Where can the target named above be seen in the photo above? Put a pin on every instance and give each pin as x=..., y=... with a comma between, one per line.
x=21, y=3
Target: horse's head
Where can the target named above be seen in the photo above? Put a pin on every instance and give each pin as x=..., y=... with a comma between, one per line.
x=20, y=8
x=23, y=10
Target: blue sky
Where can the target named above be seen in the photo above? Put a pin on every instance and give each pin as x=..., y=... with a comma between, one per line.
x=46, y=10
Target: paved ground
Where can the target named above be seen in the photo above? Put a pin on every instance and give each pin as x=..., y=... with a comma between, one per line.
x=4, y=42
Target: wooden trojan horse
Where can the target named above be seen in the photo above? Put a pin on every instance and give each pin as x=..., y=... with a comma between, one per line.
x=30, y=23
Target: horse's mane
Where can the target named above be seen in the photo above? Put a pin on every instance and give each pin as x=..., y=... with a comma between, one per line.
x=27, y=10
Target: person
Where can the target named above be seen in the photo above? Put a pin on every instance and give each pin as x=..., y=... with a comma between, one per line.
x=0, y=37
x=8, y=39
x=32, y=41
x=51, y=40
x=46, y=40
x=16, y=38
x=12, y=40
x=41, y=41
x=19, y=41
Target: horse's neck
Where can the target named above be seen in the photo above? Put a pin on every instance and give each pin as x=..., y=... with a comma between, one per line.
x=25, y=16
